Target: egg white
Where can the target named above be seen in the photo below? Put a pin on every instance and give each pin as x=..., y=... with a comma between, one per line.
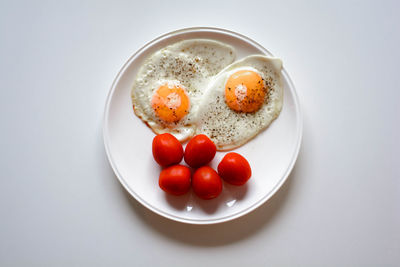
x=227, y=128
x=190, y=63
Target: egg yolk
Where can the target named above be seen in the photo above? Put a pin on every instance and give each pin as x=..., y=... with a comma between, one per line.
x=245, y=91
x=170, y=102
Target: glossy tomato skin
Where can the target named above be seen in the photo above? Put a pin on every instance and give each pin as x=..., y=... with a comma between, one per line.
x=206, y=183
x=199, y=151
x=234, y=169
x=175, y=180
x=167, y=150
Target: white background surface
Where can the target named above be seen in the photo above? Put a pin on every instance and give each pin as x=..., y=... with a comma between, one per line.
x=61, y=204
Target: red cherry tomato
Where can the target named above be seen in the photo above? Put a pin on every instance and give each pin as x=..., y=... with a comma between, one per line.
x=234, y=169
x=167, y=150
x=206, y=183
x=175, y=180
x=199, y=151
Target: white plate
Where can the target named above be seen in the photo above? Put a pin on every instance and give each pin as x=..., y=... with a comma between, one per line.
x=127, y=139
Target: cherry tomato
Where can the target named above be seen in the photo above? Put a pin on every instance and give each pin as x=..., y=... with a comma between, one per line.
x=234, y=169
x=206, y=183
x=167, y=150
x=175, y=180
x=199, y=151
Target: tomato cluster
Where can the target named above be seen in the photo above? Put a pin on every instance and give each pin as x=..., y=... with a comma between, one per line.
x=206, y=182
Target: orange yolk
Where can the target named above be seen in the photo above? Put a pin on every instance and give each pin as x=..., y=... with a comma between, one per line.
x=245, y=91
x=170, y=103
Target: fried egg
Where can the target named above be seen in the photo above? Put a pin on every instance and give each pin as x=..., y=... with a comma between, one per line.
x=241, y=101
x=171, y=82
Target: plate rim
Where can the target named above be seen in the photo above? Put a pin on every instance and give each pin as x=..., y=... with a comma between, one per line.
x=229, y=217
